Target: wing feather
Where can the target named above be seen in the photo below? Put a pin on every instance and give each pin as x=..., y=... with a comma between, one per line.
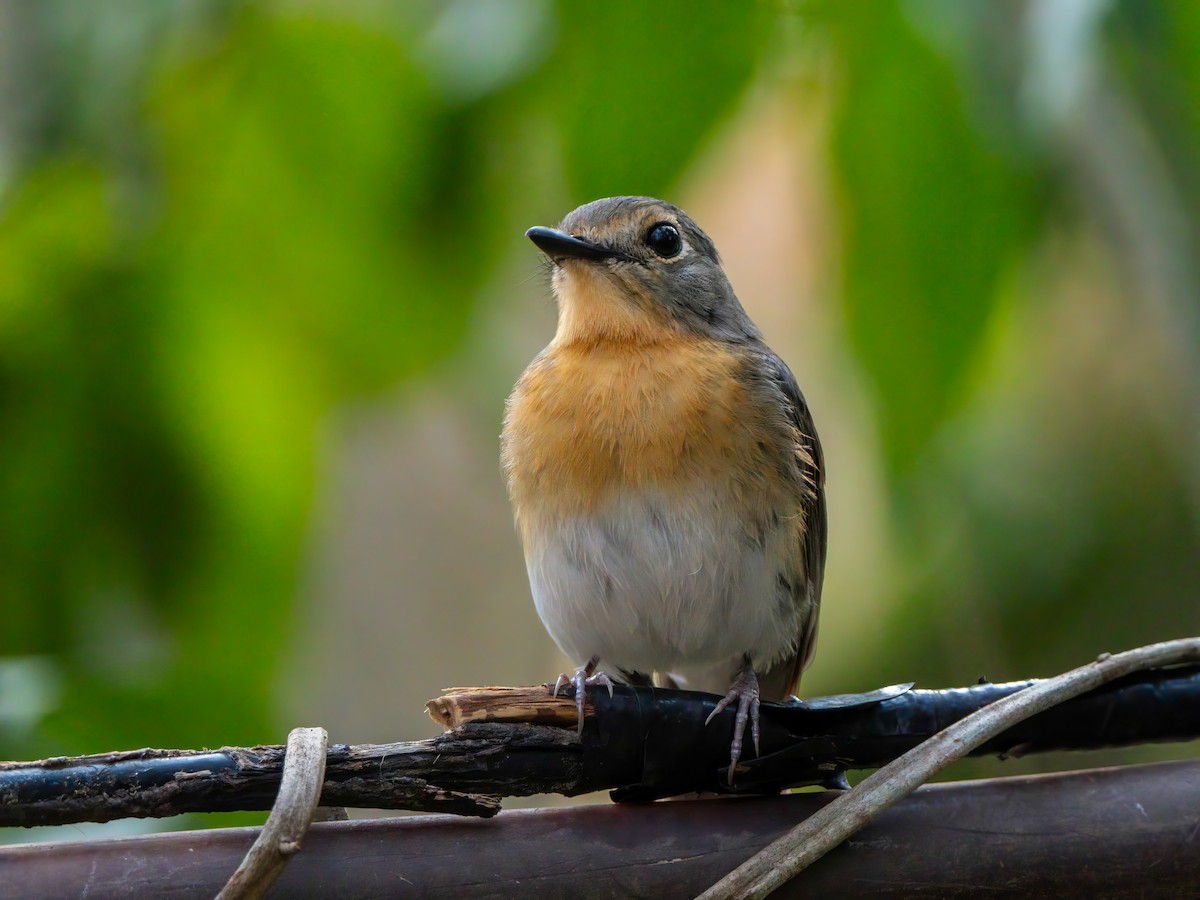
x=784, y=677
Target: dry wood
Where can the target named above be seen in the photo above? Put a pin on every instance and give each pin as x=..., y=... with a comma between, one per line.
x=642, y=742
x=279, y=840
x=531, y=705
x=471, y=766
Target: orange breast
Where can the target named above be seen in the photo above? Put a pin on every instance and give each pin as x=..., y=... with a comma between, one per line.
x=586, y=420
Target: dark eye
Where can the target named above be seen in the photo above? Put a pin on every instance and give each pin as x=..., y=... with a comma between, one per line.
x=664, y=240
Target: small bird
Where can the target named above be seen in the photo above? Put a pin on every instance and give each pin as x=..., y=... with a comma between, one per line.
x=666, y=479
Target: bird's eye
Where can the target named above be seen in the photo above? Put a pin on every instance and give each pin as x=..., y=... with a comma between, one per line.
x=664, y=240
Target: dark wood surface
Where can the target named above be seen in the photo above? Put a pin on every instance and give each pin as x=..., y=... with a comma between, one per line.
x=1126, y=832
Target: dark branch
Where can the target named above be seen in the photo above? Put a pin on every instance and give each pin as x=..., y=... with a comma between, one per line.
x=641, y=743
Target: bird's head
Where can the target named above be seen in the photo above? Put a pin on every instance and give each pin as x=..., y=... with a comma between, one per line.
x=638, y=269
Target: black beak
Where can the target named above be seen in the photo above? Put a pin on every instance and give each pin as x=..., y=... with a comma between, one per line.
x=560, y=245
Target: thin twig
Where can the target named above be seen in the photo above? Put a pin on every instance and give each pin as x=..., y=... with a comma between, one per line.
x=819, y=833
x=279, y=840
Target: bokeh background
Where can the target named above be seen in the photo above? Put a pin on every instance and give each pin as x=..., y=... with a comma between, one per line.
x=263, y=290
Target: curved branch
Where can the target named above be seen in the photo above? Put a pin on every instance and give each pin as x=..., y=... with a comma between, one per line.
x=825, y=829
x=279, y=840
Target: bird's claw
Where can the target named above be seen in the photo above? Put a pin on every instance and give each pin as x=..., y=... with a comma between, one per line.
x=582, y=679
x=745, y=692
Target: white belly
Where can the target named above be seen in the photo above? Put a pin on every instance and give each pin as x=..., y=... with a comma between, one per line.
x=650, y=585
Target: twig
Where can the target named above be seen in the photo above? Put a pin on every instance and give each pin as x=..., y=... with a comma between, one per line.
x=279, y=840
x=825, y=829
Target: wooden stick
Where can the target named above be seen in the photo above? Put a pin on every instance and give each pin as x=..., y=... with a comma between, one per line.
x=529, y=705
x=279, y=840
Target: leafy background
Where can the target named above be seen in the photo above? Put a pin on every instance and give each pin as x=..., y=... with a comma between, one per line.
x=263, y=289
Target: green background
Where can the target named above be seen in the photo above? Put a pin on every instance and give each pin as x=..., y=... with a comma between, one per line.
x=231, y=233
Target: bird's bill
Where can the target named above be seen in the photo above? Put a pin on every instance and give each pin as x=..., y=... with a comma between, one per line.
x=560, y=245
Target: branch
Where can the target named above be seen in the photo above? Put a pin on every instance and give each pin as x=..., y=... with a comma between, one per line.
x=642, y=742
x=828, y=827
x=279, y=840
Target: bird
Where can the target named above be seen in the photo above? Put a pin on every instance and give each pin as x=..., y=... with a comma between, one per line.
x=665, y=475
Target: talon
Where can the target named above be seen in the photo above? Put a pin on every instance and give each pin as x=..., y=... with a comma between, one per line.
x=745, y=691
x=562, y=682
x=580, y=692
x=580, y=682
x=719, y=708
x=754, y=724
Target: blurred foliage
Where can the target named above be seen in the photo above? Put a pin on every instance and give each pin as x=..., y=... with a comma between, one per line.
x=222, y=220
x=176, y=326
x=219, y=221
x=634, y=110
x=935, y=213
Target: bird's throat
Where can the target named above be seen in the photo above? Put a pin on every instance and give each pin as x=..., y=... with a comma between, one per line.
x=594, y=308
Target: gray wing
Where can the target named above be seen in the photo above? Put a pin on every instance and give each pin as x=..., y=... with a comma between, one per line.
x=782, y=680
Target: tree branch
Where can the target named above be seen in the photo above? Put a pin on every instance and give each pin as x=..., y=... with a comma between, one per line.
x=642, y=742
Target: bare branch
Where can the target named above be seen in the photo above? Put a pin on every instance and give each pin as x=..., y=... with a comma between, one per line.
x=642, y=743
x=279, y=840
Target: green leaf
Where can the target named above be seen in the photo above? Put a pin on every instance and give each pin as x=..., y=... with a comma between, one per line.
x=637, y=88
x=933, y=216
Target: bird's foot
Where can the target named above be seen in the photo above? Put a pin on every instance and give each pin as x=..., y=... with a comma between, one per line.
x=585, y=677
x=745, y=691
